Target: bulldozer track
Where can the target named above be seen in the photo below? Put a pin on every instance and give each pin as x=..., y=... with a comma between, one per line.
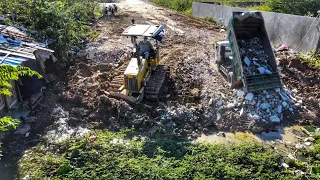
x=117, y=81
x=155, y=82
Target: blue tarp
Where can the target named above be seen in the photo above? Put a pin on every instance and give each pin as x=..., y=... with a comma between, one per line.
x=2, y=39
x=13, y=61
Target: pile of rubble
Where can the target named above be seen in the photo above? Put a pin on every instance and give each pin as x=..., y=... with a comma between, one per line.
x=61, y=130
x=255, y=109
x=255, y=59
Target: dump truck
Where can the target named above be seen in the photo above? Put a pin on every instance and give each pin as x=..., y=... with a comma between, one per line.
x=247, y=58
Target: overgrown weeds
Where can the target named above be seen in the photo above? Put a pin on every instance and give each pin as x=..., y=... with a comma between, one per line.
x=312, y=58
x=112, y=156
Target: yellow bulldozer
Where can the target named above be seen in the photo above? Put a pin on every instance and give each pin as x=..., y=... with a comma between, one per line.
x=143, y=76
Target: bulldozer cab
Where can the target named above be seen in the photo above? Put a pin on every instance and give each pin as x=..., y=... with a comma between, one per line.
x=137, y=32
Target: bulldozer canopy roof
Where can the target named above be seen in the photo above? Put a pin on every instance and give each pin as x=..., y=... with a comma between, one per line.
x=143, y=30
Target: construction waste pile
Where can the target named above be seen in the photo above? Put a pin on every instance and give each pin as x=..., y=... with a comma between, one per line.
x=256, y=60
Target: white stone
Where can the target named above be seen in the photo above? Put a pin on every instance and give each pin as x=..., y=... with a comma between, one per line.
x=218, y=116
x=285, y=165
x=279, y=109
x=307, y=143
x=284, y=104
x=249, y=96
x=309, y=139
x=265, y=106
x=240, y=93
x=241, y=112
x=274, y=118
x=247, y=61
x=219, y=103
x=210, y=101
x=230, y=105
x=299, y=146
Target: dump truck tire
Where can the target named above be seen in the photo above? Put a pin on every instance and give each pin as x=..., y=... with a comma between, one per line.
x=231, y=79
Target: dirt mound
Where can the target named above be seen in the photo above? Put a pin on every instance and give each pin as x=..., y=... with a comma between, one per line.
x=304, y=81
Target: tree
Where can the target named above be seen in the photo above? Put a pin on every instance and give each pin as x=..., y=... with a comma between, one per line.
x=9, y=73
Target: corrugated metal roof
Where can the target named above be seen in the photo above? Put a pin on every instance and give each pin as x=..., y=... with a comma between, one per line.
x=11, y=60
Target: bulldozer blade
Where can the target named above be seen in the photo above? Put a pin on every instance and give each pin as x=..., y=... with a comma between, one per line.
x=126, y=98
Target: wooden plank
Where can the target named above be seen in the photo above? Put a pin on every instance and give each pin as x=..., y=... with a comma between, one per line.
x=17, y=54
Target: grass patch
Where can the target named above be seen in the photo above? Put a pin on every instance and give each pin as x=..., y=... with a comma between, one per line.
x=112, y=156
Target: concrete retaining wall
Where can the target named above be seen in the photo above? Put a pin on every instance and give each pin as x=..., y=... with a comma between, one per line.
x=281, y=28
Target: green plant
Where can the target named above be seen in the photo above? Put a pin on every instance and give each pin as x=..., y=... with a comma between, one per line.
x=210, y=19
x=312, y=58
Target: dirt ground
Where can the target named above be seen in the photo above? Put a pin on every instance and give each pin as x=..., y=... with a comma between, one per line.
x=188, y=105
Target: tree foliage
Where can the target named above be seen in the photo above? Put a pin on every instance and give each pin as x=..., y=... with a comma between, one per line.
x=10, y=73
x=301, y=7
x=64, y=21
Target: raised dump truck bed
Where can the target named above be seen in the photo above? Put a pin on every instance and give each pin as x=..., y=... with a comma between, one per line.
x=253, y=60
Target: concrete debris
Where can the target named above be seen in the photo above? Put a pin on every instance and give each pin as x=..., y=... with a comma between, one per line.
x=256, y=60
x=284, y=165
x=221, y=134
x=240, y=93
x=274, y=118
x=265, y=106
x=299, y=146
x=249, y=97
x=299, y=172
x=219, y=103
x=307, y=143
x=290, y=156
x=218, y=116
x=61, y=129
x=309, y=139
